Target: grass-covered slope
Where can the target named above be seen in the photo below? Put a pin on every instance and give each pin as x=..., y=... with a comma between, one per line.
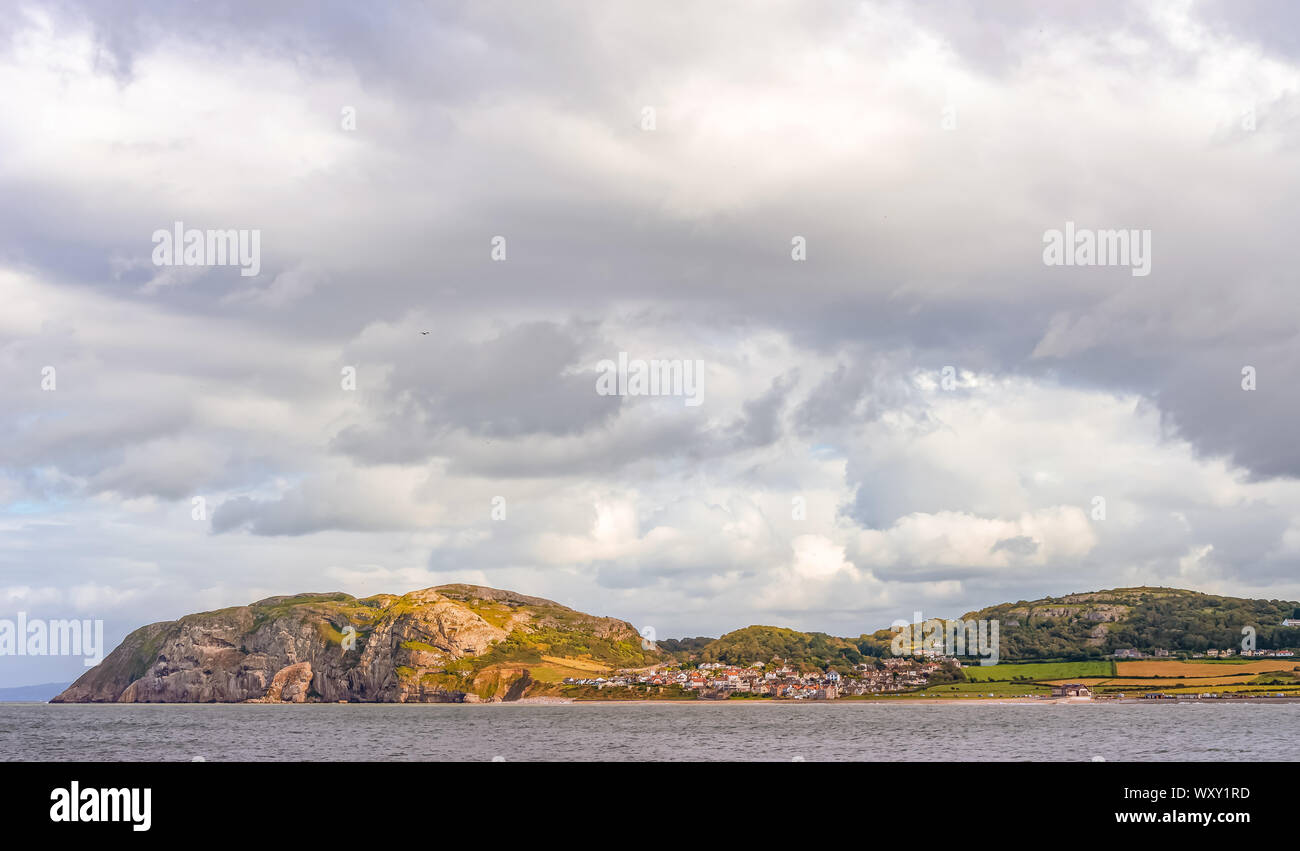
x=806, y=650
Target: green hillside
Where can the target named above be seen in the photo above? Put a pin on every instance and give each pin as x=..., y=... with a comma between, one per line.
x=1098, y=623
x=1080, y=627
x=800, y=649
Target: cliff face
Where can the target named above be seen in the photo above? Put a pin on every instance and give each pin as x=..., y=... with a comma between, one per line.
x=452, y=643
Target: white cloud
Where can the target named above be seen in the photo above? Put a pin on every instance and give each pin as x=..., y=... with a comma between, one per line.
x=958, y=540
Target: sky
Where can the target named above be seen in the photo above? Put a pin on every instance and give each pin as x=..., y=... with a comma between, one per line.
x=836, y=211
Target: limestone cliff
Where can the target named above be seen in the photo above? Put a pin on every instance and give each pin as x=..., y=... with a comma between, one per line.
x=452, y=643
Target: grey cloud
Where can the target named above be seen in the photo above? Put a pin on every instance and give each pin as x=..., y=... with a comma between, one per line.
x=303, y=511
x=761, y=423
x=1021, y=545
x=528, y=380
x=1272, y=24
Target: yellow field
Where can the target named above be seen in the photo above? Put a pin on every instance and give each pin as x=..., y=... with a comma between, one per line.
x=556, y=668
x=1161, y=682
x=1193, y=676
x=1201, y=669
x=552, y=674
x=581, y=664
x=1290, y=691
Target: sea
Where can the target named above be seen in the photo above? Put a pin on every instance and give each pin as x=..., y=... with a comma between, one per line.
x=678, y=731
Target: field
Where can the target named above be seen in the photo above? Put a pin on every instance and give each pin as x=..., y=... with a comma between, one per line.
x=996, y=689
x=1169, y=676
x=1159, y=682
x=581, y=664
x=555, y=668
x=1289, y=691
x=1039, y=671
x=1150, y=668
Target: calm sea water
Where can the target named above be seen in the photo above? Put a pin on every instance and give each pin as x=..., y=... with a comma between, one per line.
x=678, y=731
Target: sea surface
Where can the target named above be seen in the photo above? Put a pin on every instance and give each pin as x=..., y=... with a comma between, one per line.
x=730, y=730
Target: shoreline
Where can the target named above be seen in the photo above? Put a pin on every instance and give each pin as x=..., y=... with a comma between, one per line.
x=878, y=701
x=925, y=701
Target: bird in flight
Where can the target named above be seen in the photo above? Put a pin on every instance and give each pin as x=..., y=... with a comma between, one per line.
x=424, y=333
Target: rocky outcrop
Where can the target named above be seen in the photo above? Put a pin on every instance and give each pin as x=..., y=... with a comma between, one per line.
x=290, y=685
x=452, y=643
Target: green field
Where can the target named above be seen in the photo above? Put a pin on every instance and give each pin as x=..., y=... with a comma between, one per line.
x=1038, y=671
x=985, y=689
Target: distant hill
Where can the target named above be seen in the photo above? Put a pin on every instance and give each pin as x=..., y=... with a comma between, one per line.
x=452, y=643
x=1098, y=623
x=763, y=643
x=1076, y=626
x=42, y=692
x=685, y=645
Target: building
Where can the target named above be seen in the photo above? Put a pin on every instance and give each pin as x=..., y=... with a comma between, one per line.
x=1071, y=690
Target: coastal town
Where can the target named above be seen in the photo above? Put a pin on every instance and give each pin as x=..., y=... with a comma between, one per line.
x=779, y=680
x=1126, y=673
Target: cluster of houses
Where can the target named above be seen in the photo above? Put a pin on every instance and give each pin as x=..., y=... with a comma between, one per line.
x=1210, y=654
x=1132, y=653
x=777, y=679
x=1224, y=654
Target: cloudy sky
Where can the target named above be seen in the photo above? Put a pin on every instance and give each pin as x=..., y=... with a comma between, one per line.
x=919, y=415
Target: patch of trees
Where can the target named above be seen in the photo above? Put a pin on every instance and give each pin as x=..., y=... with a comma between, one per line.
x=799, y=649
